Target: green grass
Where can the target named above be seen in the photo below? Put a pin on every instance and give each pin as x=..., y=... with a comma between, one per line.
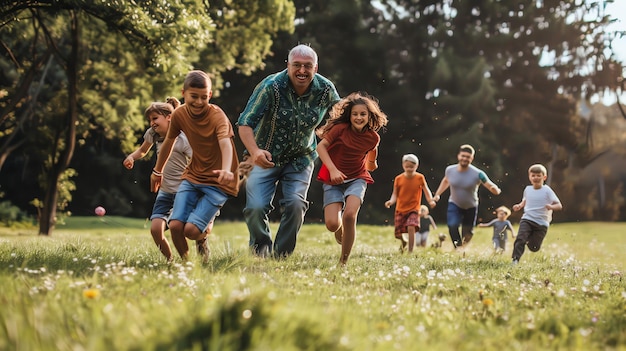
x=101, y=284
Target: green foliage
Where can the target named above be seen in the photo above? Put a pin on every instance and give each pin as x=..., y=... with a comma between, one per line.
x=12, y=216
x=100, y=283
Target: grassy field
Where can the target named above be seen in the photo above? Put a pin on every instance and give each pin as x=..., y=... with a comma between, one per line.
x=101, y=284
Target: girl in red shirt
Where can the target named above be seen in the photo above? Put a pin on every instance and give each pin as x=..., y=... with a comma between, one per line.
x=348, y=150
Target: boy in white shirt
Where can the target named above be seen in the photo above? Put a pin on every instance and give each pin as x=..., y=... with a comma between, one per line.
x=538, y=202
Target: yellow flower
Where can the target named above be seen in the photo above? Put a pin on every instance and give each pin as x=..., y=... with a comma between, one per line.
x=91, y=293
x=487, y=302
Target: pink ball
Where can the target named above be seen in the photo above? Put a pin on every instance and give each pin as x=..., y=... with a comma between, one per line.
x=100, y=211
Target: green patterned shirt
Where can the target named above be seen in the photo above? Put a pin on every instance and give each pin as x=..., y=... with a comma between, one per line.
x=283, y=122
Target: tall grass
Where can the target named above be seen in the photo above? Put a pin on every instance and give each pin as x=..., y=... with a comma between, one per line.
x=101, y=284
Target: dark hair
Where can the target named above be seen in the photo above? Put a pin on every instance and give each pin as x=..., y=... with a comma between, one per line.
x=467, y=148
x=197, y=79
x=162, y=108
x=341, y=111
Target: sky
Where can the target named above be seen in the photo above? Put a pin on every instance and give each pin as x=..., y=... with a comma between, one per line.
x=618, y=10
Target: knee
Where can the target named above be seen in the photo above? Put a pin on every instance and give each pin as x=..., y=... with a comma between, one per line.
x=294, y=205
x=333, y=225
x=349, y=217
x=193, y=233
x=176, y=226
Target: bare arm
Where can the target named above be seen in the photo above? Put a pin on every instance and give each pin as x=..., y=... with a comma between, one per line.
x=520, y=205
x=260, y=157
x=432, y=222
x=129, y=161
x=392, y=199
x=429, y=196
x=226, y=149
x=443, y=186
x=493, y=188
x=336, y=176
x=157, y=174
x=555, y=206
x=371, y=164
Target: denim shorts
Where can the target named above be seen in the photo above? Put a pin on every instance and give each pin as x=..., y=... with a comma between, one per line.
x=197, y=203
x=163, y=204
x=338, y=193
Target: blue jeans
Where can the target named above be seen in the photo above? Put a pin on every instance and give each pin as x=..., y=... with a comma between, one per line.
x=197, y=203
x=461, y=217
x=260, y=191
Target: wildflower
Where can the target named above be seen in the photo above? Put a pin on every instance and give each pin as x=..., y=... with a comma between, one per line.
x=487, y=302
x=91, y=293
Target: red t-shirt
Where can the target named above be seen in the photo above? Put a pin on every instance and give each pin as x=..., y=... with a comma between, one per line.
x=348, y=150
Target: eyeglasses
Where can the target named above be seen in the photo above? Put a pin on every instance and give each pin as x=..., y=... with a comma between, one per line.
x=298, y=65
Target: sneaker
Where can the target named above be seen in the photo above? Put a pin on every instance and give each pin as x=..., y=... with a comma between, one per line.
x=514, y=263
x=203, y=249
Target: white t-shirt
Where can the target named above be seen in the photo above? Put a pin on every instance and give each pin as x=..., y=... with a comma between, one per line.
x=536, y=200
x=181, y=154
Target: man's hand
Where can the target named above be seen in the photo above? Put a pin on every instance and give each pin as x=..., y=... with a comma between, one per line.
x=262, y=158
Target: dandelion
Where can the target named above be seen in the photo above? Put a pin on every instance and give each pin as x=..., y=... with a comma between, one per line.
x=91, y=293
x=487, y=302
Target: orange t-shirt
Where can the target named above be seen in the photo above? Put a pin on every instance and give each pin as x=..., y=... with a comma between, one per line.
x=204, y=134
x=409, y=192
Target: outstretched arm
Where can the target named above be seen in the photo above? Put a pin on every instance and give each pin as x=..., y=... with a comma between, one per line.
x=442, y=187
x=129, y=161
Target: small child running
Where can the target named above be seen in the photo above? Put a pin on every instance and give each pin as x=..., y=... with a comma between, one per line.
x=407, y=196
x=500, y=225
x=348, y=150
x=426, y=221
x=158, y=115
x=538, y=202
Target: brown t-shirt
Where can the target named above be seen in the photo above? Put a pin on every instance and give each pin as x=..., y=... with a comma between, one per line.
x=204, y=134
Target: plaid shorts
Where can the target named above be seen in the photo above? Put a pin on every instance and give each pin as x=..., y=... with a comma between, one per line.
x=404, y=220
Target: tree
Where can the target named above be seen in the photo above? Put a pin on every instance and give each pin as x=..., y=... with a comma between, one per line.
x=74, y=67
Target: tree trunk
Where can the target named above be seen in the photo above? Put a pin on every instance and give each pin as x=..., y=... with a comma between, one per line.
x=48, y=216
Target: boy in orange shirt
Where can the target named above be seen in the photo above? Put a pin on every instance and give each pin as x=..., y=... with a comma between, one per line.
x=407, y=196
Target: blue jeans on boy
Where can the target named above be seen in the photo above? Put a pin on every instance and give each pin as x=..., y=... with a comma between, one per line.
x=461, y=217
x=260, y=191
x=197, y=204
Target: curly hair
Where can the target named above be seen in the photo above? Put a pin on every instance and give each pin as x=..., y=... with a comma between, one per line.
x=341, y=111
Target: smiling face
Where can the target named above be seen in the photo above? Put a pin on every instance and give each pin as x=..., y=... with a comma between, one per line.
x=465, y=158
x=159, y=123
x=359, y=117
x=301, y=70
x=537, y=179
x=197, y=99
x=409, y=167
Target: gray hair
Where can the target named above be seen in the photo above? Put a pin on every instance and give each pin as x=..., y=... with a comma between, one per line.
x=302, y=50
